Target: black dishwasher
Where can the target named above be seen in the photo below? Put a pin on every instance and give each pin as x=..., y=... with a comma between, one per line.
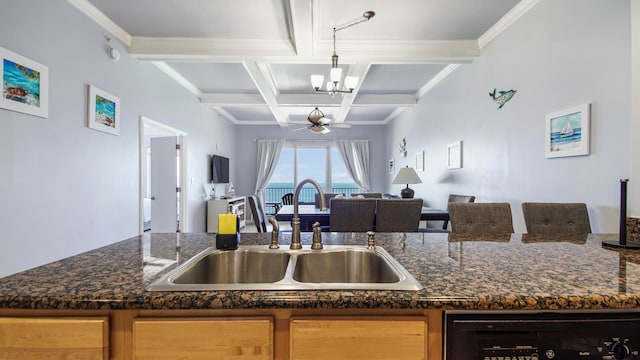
x=507, y=335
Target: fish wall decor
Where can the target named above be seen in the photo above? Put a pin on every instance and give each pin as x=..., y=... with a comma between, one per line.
x=402, y=148
x=503, y=97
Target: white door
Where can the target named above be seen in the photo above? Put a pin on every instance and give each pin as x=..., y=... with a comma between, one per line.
x=164, y=178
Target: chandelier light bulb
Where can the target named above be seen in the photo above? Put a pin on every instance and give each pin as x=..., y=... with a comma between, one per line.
x=335, y=75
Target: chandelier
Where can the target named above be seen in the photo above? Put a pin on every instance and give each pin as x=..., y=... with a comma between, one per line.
x=350, y=82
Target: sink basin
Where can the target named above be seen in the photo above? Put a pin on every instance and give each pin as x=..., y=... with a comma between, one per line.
x=348, y=266
x=230, y=267
x=256, y=267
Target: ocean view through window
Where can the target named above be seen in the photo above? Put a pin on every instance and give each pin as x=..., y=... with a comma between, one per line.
x=320, y=162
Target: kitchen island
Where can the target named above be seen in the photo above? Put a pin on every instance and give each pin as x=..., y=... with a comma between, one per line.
x=513, y=272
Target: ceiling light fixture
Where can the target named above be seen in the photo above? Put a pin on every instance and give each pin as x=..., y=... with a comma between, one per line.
x=350, y=82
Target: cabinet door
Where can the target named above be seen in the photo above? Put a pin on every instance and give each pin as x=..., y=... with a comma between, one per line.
x=203, y=338
x=358, y=338
x=54, y=338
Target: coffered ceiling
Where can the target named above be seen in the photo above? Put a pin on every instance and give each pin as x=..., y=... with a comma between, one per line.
x=252, y=59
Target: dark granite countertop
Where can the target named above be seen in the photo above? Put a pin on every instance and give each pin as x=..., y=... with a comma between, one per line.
x=458, y=272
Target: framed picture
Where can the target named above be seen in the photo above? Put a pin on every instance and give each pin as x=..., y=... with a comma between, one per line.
x=454, y=155
x=420, y=161
x=104, y=111
x=567, y=132
x=25, y=84
x=392, y=167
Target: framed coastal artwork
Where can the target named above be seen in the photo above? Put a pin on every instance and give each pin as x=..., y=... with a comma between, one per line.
x=567, y=132
x=454, y=155
x=25, y=84
x=104, y=111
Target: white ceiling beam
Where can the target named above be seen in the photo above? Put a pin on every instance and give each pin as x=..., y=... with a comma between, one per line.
x=226, y=99
x=166, y=49
x=192, y=49
x=301, y=26
x=360, y=70
x=264, y=87
x=385, y=100
x=309, y=100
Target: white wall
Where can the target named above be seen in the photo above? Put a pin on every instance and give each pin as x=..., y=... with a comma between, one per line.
x=246, y=150
x=65, y=188
x=559, y=55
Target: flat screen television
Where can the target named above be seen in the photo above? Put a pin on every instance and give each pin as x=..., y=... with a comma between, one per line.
x=219, y=169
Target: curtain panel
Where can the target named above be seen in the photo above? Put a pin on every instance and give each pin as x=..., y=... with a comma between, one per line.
x=355, y=154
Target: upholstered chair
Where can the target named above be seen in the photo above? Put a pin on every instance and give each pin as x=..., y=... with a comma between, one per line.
x=398, y=215
x=352, y=215
x=368, y=195
x=457, y=198
x=556, y=218
x=481, y=218
x=327, y=199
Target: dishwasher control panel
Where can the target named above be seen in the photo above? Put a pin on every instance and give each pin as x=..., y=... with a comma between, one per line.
x=542, y=336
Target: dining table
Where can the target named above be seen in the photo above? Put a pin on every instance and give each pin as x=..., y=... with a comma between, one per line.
x=309, y=214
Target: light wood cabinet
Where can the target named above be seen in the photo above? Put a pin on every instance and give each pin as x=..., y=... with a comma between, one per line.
x=356, y=338
x=238, y=334
x=28, y=338
x=203, y=338
x=219, y=206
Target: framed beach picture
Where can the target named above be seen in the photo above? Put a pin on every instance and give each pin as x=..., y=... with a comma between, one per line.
x=454, y=155
x=104, y=111
x=567, y=132
x=25, y=84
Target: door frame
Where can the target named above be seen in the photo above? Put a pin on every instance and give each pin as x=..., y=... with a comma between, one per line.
x=147, y=126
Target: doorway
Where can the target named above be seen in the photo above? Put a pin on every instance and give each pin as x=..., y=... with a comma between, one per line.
x=163, y=193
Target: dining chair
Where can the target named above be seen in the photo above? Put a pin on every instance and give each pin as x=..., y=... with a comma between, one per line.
x=287, y=199
x=481, y=218
x=327, y=199
x=457, y=198
x=556, y=218
x=368, y=195
x=352, y=215
x=398, y=215
x=257, y=213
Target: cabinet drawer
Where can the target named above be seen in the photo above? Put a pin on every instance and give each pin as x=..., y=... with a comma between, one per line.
x=203, y=338
x=54, y=338
x=358, y=338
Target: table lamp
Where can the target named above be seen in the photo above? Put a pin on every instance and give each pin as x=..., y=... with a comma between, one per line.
x=407, y=175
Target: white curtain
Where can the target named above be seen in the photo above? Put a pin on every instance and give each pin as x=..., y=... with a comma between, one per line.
x=268, y=156
x=355, y=154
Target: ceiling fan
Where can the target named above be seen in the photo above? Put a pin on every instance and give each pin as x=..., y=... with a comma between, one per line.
x=319, y=124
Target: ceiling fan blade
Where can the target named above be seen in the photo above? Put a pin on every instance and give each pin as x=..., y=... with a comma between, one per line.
x=302, y=128
x=341, y=125
x=324, y=121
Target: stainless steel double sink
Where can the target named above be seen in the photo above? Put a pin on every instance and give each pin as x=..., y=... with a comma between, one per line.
x=254, y=267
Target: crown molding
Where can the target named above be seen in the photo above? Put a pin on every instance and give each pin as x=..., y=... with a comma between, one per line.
x=101, y=19
x=177, y=77
x=507, y=20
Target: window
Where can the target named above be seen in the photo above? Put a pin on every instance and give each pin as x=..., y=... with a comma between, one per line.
x=318, y=161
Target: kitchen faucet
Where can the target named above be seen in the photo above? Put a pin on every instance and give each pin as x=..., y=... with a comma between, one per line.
x=295, y=223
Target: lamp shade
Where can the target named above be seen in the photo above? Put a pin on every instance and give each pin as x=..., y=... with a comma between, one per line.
x=407, y=175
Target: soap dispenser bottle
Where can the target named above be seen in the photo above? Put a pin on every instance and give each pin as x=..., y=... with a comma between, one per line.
x=228, y=236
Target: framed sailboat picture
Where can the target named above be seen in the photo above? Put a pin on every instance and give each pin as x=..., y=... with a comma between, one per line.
x=567, y=132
